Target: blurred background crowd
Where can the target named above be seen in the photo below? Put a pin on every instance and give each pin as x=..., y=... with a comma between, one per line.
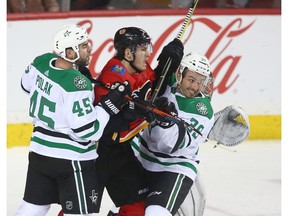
x=24, y=6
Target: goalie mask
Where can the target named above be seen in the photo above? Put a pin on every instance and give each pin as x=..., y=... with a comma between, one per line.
x=199, y=64
x=130, y=37
x=69, y=36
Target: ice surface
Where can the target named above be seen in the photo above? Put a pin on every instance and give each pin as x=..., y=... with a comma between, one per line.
x=242, y=183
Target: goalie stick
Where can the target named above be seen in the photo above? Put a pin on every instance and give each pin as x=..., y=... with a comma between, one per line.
x=169, y=60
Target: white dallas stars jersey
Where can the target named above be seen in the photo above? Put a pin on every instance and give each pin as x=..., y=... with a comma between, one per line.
x=66, y=123
x=154, y=145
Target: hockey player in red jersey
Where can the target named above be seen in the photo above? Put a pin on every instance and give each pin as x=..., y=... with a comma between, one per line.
x=133, y=47
x=119, y=170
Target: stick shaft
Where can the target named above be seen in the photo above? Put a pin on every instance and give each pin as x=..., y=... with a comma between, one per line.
x=161, y=79
x=143, y=105
x=169, y=60
x=167, y=116
x=187, y=19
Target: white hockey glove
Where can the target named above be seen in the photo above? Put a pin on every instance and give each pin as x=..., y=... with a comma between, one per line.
x=231, y=126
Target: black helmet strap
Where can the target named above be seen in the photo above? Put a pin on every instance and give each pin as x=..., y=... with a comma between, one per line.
x=132, y=64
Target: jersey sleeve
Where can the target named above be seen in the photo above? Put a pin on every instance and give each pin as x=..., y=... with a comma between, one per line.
x=163, y=140
x=26, y=79
x=86, y=120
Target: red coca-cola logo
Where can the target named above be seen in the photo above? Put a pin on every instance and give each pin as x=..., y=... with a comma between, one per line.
x=224, y=36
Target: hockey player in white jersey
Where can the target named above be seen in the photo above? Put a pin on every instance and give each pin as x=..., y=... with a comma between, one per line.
x=67, y=125
x=171, y=172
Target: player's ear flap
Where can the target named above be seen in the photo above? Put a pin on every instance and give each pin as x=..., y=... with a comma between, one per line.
x=178, y=75
x=128, y=54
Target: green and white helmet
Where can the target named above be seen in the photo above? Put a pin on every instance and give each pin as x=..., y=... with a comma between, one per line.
x=199, y=64
x=195, y=62
x=69, y=36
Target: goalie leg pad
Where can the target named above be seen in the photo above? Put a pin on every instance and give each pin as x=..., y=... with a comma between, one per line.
x=194, y=203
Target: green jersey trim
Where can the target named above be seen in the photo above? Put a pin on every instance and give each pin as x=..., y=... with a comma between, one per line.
x=96, y=128
x=69, y=79
x=198, y=105
x=62, y=145
x=155, y=160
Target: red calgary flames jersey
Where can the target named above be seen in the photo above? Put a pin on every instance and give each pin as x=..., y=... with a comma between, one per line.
x=141, y=83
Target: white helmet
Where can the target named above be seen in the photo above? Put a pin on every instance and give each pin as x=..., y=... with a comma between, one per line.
x=195, y=62
x=69, y=36
x=199, y=64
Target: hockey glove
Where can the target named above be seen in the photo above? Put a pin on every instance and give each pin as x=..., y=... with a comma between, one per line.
x=163, y=104
x=132, y=111
x=115, y=99
x=128, y=112
x=174, y=50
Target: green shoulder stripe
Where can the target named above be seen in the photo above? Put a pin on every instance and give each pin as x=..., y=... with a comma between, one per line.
x=198, y=105
x=43, y=60
x=70, y=80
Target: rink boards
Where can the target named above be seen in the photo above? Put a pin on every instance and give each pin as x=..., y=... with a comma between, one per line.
x=236, y=42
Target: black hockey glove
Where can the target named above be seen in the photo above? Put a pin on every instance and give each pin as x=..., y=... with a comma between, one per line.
x=163, y=104
x=115, y=99
x=132, y=111
x=174, y=50
x=128, y=112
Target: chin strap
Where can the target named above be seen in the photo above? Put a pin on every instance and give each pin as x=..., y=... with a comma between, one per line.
x=132, y=65
x=75, y=67
x=180, y=89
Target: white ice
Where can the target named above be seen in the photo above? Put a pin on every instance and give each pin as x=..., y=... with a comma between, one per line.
x=242, y=183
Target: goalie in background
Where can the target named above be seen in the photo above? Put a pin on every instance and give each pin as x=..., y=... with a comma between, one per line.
x=169, y=151
x=231, y=127
x=175, y=187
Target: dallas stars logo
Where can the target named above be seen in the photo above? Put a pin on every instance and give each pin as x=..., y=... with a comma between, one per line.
x=201, y=108
x=94, y=197
x=67, y=33
x=80, y=82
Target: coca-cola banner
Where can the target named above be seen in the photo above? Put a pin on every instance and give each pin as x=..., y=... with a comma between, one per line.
x=244, y=51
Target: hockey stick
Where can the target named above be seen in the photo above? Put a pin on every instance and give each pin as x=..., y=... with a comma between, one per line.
x=161, y=79
x=177, y=120
x=169, y=60
x=144, y=105
x=187, y=20
x=168, y=117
